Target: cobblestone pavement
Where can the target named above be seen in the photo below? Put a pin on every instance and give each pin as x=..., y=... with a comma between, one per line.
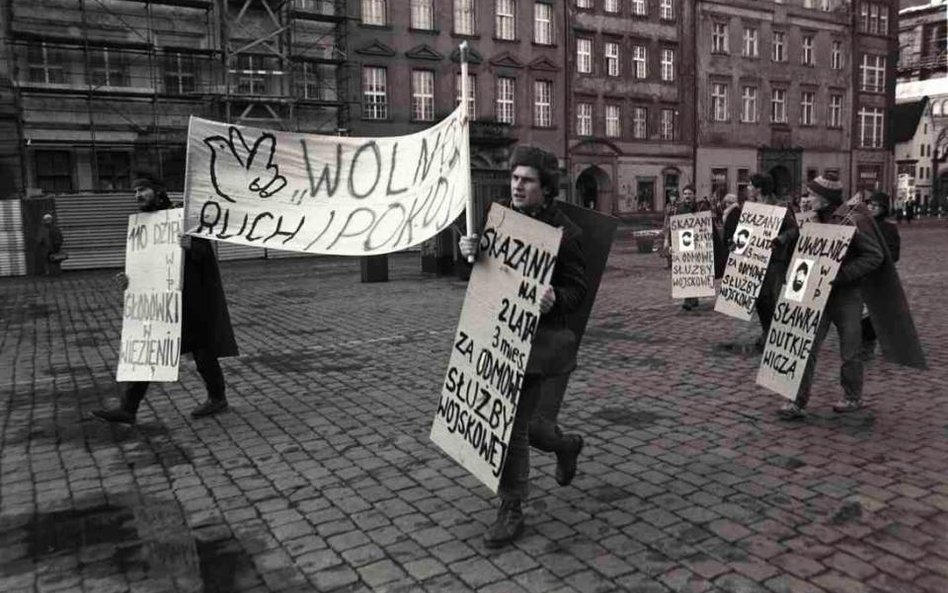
x=321, y=477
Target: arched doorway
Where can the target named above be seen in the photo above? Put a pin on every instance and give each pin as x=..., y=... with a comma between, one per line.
x=783, y=180
x=593, y=187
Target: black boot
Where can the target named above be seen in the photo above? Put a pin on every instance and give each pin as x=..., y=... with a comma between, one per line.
x=508, y=526
x=209, y=408
x=126, y=412
x=566, y=460
x=118, y=414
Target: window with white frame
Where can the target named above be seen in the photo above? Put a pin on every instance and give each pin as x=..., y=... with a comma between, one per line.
x=778, y=106
x=464, y=17
x=836, y=59
x=506, y=99
x=667, y=127
x=611, y=6
x=45, y=64
x=373, y=12
x=422, y=95
x=750, y=49
x=640, y=123
x=612, y=58
x=668, y=65
x=807, y=99
x=422, y=14
x=835, y=111
x=506, y=24
x=374, y=92
x=666, y=9
x=542, y=23
x=719, y=43
x=639, y=61
x=542, y=103
x=873, y=73
x=639, y=7
x=108, y=68
x=584, y=119
x=471, y=93
x=719, y=101
x=806, y=43
x=180, y=73
x=870, y=127
x=749, y=104
x=584, y=3
x=779, y=47
x=874, y=18
x=253, y=73
x=613, y=121
x=584, y=55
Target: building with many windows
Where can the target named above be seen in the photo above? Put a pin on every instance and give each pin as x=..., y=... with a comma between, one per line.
x=630, y=131
x=107, y=87
x=405, y=74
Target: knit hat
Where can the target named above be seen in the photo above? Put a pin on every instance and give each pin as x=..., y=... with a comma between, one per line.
x=148, y=179
x=882, y=199
x=544, y=162
x=828, y=186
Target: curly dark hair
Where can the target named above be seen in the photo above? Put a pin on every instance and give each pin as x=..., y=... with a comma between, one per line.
x=763, y=182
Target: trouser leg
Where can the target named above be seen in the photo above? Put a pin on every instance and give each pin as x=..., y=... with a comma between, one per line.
x=515, y=479
x=868, y=331
x=849, y=328
x=210, y=370
x=545, y=433
x=134, y=394
x=806, y=383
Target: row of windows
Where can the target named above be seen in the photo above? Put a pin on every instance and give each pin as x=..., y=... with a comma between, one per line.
x=465, y=21
x=54, y=170
x=638, y=8
x=779, y=51
x=614, y=63
x=613, y=122
x=180, y=72
x=750, y=106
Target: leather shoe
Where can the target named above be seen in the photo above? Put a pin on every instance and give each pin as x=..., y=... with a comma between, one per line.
x=566, y=462
x=114, y=415
x=209, y=408
x=508, y=526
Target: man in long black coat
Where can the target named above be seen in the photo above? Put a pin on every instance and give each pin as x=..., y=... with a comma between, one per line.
x=206, y=331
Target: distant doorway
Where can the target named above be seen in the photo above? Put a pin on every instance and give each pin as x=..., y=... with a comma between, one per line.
x=592, y=187
x=783, y=180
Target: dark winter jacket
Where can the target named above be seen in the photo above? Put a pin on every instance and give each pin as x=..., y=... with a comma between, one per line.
x=890, y=233
x=205, y=323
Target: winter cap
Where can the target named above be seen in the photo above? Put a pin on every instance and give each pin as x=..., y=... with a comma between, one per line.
x=828, y=186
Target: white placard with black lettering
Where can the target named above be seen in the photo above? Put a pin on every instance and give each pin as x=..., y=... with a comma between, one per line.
x=816, y=260
x=757, y=227
x=489, y=356
x=325, y=194
x=692, y=255
x=151, y=317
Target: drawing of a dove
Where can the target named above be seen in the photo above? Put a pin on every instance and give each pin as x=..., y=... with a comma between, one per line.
x=238, y=169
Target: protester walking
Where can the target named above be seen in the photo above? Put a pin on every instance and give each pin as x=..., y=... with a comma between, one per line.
x=206, y=330
x=50, y=243
x=685, y=205
x=878, y=205
x=844, y=305
x=534, y=184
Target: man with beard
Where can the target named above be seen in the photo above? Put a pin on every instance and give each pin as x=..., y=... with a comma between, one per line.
x=205, y=323
x=534, y=184
x=844, y=305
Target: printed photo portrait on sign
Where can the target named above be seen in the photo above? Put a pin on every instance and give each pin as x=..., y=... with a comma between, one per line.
x=686, y=240
x=741, y=239
x=799, y=275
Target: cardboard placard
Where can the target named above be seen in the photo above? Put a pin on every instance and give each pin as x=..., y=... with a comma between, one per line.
x=325, y=194
x=499, y=318
x=805, y=216
x=816, y=260
x=151, y=318
x=757, y=227
x=692, y=255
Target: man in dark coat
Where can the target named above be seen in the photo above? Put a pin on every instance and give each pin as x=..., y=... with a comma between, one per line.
x=685, y=205
x=206, y=331
x=50, y=241
x=878, y=205
x=844, y=306
x=534, y=184
x=762, y=190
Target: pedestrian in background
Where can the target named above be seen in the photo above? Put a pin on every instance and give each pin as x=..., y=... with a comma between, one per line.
x=206, y=331
x=730, y=217
x=685, y=205
x=534, y=184
x=50, y=243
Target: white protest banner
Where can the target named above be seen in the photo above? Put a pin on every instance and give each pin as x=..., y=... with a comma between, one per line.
x=805, y=216
x=495, y=333
x=692, y=255
x=820, y=250
x=757, y=226
x=325, y=194
x=151, y=319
